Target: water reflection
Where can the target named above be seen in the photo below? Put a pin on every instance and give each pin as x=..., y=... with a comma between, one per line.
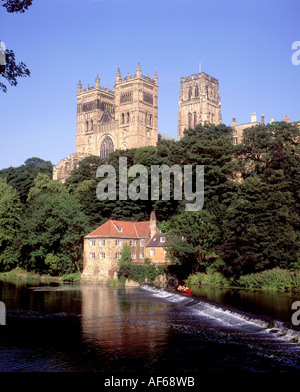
x=267, y=303
x=122, y=322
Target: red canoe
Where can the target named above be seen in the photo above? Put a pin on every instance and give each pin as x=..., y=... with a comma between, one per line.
x=185, y=291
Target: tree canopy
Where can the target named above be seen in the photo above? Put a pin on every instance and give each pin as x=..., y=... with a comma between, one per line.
x=249, y=222
x=12, y=70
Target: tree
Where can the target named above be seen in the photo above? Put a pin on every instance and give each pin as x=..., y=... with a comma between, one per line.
x=125, y=255
x=261, y=227
x=16, y=5
x=10, y=220
x=11, y=70
x=22, y=177
x=211, y=146
x=125, y=262
x=192, y=238
x=53, y=229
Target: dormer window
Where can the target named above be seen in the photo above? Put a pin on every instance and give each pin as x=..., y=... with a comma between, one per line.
x=119, y=228
x=162, y=239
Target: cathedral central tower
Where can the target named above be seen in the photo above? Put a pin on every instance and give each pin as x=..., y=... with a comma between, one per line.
x=199, y=102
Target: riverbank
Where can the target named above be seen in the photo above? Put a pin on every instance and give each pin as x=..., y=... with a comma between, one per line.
x=21, y=275
x=275, y=279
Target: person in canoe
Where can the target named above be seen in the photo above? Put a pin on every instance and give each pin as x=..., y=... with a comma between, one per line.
x=183, y=288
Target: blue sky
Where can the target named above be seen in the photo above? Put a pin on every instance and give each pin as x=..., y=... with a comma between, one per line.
x=245, y=44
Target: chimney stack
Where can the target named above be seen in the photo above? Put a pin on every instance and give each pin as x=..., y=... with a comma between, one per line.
x=262, y=119
x=233, y=124
x=253, y=117
x=152, y=227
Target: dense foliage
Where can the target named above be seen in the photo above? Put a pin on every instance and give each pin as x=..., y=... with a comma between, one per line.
x=249, y=223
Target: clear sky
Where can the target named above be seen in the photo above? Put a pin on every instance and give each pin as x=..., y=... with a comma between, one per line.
x=245, y=44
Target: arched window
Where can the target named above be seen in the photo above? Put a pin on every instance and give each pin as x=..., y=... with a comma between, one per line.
x=196, y=91
x=195, y=119
x=127, y=117
x=106, y=147
x=190, y=120
x=190, y=92
x=123, y=118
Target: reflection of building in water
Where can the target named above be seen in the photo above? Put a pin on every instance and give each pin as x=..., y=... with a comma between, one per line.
x=119, y=322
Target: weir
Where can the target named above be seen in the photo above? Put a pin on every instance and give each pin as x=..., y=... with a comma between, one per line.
x=229, y=317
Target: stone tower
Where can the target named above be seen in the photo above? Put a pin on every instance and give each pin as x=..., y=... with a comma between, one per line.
x=108, y=120
x=136, y=109
x=95, y=119
x=199, y=102
x=126, y=117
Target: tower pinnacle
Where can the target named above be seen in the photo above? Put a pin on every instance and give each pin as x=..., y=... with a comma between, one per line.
x=139, y=70
x=97, y=83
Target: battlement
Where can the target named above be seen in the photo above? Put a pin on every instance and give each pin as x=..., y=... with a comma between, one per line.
x=130, y=78
x=201, y=75
x=99, y=88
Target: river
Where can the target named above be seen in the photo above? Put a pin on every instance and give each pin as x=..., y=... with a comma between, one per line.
x=93, y=328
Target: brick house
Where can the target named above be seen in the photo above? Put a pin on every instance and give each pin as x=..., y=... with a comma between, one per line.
x=102, y=247
x=156, y=249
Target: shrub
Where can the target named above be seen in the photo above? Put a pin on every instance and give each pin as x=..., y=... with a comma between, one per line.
x=74, y=277
x=208, y=278
x=140, y=273
x=273, y=279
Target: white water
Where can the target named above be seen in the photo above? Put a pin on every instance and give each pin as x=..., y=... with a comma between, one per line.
x=229, y=318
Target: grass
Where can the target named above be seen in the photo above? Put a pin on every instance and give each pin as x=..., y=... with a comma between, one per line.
x=74, y=277
x=20, y=275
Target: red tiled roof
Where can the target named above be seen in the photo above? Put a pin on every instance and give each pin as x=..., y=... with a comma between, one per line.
x=122, y=228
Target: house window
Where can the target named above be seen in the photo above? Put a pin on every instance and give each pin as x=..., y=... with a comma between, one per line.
x=102, y=243
x=142, y=242
x=132, y=243
x=158, y=262
x=141, y=255
x=235, y=141
x=118, y=255
x=92, y=255
x=133, y=255
x=118, y=242
x=92, y=243
x=162, y=239
x=102, y=255
x=152, y=252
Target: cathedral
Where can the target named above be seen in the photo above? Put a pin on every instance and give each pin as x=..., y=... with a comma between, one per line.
x=127, y=116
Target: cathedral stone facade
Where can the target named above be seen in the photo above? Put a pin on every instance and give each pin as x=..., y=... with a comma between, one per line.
x=109, y=120
x=199, y=102
x=127, y=116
